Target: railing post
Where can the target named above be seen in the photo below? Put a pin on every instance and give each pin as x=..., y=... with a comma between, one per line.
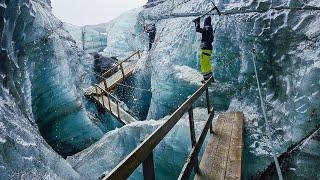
x=102, y=97
x=122, y=71
x=96, y=88
x=193, y=137
x=148, y=168
x=118, y=109
x=209, y=107
x=109, y=102
x=208, y=101
x=105, y=85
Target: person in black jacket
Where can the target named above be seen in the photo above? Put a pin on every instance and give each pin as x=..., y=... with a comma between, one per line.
x=206, y=47
x=151, y=30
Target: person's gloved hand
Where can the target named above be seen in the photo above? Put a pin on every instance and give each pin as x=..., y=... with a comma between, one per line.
x=197, y=20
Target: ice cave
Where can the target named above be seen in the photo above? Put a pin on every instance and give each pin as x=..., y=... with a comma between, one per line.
x=55, y=124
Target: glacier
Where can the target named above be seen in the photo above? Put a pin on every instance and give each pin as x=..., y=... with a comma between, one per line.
x=44, y=73
x=170, y=154
x=285, y=35
x=87, y=38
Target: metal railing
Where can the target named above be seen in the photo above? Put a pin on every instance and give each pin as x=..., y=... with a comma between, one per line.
x=143, y=154
x=104, y=93
x=120, y=64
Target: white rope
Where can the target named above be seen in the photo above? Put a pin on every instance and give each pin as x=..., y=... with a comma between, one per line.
x=266, y=121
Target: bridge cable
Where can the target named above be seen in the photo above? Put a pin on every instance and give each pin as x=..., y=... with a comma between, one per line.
x=265, y=118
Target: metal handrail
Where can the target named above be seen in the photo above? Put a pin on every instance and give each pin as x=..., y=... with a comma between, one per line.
x=143, y=153
x=121, y=62
x=109, y=95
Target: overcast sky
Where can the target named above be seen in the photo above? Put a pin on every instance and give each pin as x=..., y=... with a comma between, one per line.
x=87, y=12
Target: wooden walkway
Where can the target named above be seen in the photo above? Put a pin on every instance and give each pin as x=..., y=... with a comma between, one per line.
x=101, y=93
x=112, y=106
x=110, y=83
x=223, y=156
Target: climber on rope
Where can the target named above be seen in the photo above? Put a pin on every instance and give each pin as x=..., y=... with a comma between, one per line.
x=151, y=30
x=206, y=47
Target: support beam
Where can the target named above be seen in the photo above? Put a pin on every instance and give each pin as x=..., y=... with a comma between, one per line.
x=148, y=168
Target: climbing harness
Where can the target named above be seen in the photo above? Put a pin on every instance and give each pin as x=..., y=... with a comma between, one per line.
x=269, y=139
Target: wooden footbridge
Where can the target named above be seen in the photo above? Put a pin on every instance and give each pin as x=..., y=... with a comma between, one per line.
x=101, y=93
x=222, y=158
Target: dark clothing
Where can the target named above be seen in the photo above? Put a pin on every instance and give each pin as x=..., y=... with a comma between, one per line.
x=152, y=36
x=206, y=47
x=207, y=33
x=102, y=64
x=151, y=30
x=207, y=76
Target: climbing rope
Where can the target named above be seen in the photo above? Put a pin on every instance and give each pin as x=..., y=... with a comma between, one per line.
x=137, y=88
x=124, y=85
x=269, y=140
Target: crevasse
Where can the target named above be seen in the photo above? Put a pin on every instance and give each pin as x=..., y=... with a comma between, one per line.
x=43, y=70
x=285, y=35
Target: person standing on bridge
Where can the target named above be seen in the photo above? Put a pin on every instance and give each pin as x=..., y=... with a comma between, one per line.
x=206, y=47
x=151, y=30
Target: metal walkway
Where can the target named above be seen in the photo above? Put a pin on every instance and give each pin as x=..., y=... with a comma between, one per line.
x=101, y=93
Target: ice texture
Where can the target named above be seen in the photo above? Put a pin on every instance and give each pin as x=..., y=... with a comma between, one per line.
x=285, y=35
x=169, y=156
x=43, y=74
x=24, y=154
x=122, y=35
x=58, y=76
x=87, y=38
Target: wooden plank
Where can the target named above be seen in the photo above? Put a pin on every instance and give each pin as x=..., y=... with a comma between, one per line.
x=193, y=156
x=125, y=118
x=234, y=165
x=137, y=156
x=219, y=162
x=113, y=81
x=213, y=143
x=223, y=155
x=118, y=77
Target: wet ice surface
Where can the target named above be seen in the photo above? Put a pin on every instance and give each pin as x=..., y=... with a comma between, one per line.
x=169, y=156
x=24, y=153
x=42, y=72
x=286, y=36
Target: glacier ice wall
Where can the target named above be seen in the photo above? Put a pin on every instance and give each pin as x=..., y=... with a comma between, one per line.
x=122, y=35
x=169, y=156
x=285, y=34
x=306, y=158
x=87, y=38
x=43, y=71
x=57, y=77
x=24, y=154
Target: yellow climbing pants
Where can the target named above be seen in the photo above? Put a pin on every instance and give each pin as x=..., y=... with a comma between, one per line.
x=205, y=61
